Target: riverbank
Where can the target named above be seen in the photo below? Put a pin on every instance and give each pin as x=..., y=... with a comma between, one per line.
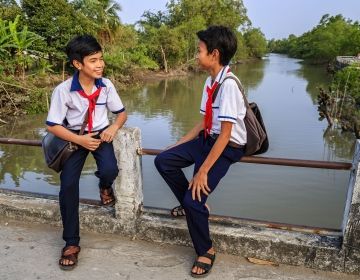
x=31, y=252
x=32, y=94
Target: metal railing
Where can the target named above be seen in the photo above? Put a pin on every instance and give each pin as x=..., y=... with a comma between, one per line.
x=246, y=159
x=217, y=218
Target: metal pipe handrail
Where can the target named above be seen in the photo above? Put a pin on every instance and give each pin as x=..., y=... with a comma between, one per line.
x=246, y=159
x=20, y=142
x=277, y=161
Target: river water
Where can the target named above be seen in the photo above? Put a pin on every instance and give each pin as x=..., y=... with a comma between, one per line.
x=285, y=90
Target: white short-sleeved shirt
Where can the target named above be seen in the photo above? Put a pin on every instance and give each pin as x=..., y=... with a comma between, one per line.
x=69, y=108
x=228, y=106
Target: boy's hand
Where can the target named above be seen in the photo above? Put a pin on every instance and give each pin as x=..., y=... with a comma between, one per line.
x=108, y=134
x=88, y=142
x=199, y=184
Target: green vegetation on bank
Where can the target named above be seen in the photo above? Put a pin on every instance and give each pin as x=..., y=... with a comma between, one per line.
x=333, y=36
x=33, y=34
x=340, y=104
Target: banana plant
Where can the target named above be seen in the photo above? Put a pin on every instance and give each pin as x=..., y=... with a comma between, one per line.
x=22, y=41
x=5, y=39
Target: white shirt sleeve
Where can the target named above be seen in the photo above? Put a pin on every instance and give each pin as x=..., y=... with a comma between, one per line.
x=58, y=107
x=232, y=106
x=204, y=98
x=113, y=102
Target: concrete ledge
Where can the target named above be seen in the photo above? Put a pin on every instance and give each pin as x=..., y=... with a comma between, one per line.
x=309, y=250
x=294, y=248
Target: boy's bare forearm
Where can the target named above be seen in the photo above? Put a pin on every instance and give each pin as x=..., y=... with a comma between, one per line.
x=63, y=133
x=120, y=120
x=192, y=134
x=218, y=148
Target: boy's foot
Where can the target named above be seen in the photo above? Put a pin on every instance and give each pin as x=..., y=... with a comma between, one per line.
x=107, y=196
x=203, y=265
x=69, y=257
x=179, y=211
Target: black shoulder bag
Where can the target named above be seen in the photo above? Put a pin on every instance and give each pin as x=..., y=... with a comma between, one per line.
x=57, y=150
x=257, y=140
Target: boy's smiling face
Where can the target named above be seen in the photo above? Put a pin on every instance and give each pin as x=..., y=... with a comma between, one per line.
x=205, y=59
x=92, y=65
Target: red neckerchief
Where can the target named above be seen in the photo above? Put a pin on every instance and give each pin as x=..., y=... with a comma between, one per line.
x=208, y=111
x=92, y=103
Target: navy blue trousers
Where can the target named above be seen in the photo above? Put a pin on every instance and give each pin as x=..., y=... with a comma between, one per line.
x=107, y=171
x=170, y=163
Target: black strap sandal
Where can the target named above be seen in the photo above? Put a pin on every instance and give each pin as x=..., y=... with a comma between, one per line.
x=70, y=254
x=107, y=196
x=178, y=211
x=205, y=266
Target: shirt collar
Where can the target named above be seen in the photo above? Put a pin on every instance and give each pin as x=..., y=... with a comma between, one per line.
x=222, y=74
x=75, y=84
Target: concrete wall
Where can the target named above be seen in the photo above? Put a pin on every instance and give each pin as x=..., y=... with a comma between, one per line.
x=333, y=251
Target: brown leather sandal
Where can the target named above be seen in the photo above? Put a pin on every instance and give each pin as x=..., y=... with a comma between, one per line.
x=107, y=196
x=70, y=254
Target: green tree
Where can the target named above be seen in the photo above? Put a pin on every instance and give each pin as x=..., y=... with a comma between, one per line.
x=57, y=22
x=333, y=36
x=171, y=35
x=127, y=52
x=256, y=42
x=104, y=13
x=9, y=9
x=230, y=13
x=165, y=44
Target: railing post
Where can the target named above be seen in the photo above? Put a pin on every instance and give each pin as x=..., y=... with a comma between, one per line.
x=128, y=185
x=351, y=222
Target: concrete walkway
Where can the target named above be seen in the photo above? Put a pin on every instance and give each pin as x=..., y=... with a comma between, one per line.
x=31, y=252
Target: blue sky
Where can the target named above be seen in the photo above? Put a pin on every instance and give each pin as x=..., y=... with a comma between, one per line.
x=276, y=18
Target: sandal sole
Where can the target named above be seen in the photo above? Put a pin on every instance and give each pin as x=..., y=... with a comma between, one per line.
x=112, y=203
x=67, y=267
x=194, y=275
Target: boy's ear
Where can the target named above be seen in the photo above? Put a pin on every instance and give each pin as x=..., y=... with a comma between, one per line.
x=216, y=54
x=77, y=64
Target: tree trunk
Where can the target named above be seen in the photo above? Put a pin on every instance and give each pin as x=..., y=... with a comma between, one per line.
x=164, y=59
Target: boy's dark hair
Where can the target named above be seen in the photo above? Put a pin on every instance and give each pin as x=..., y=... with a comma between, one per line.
x=220, y=38
x=81, y=46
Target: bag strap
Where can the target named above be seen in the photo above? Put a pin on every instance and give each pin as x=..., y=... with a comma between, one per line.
x=241, y=88
x=86, y=119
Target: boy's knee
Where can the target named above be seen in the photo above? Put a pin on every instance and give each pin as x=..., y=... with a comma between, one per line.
x=158, y=161
x=109, y=172
x=188, y=202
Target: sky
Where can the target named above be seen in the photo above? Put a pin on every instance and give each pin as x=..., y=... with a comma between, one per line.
x=276, y=18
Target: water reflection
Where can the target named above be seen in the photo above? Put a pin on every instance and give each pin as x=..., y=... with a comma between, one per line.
x=285, y=90
x=316, y=77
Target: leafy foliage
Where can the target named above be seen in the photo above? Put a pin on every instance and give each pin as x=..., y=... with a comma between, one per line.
x=33, y=34
x=333, y=36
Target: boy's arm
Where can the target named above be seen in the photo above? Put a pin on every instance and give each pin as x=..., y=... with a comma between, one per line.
x=108, y=134
x=192, y=134
x=199, y=182
x=83, y=140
